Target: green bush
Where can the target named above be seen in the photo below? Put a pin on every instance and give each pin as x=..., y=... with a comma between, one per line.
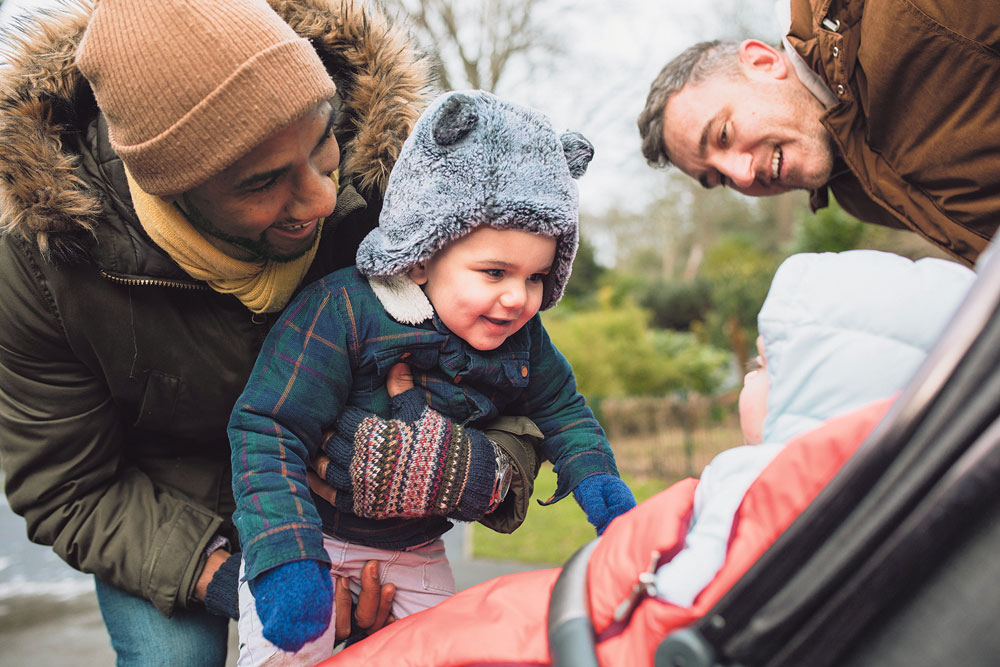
x=676, y=304
x=615, y=352
x=739, y=276
x=692, y=366
x=585, y=278
x=830, y=229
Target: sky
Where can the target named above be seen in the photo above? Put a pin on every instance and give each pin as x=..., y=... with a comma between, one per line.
x=614, y=51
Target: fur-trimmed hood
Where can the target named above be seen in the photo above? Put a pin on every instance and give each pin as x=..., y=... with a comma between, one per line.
x=49, y=196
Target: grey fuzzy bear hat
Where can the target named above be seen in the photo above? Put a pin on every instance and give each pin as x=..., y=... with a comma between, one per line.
x=472, y=160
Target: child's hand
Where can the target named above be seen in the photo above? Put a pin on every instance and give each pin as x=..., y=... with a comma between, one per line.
x=399, y=380
x=294, y=602
x=603, y=497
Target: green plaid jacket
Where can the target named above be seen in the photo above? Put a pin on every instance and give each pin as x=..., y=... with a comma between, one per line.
x=333, y=347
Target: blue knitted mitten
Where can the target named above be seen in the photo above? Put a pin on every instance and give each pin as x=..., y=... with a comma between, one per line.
x=294, y=602
x=603, y=497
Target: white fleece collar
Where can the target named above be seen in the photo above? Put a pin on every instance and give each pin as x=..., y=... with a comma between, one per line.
x=402, y=298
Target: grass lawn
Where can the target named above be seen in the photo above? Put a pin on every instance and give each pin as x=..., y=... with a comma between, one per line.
x=550, y=534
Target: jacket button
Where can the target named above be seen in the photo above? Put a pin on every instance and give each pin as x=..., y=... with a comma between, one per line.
x=836, y=51
x=840, y=89
x=524, y=371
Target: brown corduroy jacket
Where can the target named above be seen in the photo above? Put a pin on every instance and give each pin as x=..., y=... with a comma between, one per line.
x=917, y=116
x=118, y=372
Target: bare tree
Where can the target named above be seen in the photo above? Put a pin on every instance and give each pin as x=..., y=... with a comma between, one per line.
x=473, y=43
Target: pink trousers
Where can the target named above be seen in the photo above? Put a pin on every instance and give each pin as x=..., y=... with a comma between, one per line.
x=422, y=577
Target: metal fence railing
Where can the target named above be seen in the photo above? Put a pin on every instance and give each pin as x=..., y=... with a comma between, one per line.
x=669, y=437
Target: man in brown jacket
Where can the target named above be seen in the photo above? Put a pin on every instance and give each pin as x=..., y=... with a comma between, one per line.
x=891, y=105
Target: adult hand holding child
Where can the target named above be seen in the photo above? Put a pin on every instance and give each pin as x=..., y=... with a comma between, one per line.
x=355, y=460
x=294, y=602
x=399, y=380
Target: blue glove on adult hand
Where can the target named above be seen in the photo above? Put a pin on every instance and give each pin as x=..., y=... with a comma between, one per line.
x=603, y=497
x=294, y=602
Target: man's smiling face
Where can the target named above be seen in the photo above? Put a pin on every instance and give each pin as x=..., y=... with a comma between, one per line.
x=267, y=204
x=759, y=133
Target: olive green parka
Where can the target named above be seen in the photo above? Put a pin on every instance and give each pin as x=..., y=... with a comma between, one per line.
x=118, y=372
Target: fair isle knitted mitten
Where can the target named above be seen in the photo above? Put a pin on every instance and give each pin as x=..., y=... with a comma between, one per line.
x=603, y=497
x=420, y=463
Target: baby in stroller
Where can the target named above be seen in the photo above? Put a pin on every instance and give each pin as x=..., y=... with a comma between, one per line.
x=840, y=331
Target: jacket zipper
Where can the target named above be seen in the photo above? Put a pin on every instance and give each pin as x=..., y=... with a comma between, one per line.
x=153, y=282
x=255, y=318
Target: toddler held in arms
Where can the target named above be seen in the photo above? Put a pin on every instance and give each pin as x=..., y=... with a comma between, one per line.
x=477, y=234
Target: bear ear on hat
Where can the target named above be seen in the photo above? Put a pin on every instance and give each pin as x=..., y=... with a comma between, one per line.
x=579, y=152
x=455, y=119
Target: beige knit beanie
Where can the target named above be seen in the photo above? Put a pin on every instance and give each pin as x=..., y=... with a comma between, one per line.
x=190, y=86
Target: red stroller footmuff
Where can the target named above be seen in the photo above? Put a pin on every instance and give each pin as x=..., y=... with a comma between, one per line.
x=503, y=621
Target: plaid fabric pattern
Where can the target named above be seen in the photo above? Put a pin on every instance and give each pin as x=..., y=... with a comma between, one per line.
x=332, y=348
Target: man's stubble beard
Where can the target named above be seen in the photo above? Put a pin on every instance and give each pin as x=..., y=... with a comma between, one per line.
x=259, y=248
x=823, y=149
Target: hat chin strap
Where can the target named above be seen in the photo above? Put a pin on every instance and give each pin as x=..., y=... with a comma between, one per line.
x=402, y=298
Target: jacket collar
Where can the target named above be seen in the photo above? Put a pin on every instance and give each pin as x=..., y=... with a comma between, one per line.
x=812, y=81
x=809, y=78
x=402, y=299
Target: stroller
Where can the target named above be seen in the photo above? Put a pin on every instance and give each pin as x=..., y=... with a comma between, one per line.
x=895, y=560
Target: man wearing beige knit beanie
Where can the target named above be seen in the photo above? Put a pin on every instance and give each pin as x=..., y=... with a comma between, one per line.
x=172, y=172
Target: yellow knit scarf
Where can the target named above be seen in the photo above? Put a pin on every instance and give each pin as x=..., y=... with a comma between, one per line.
x=262, y=286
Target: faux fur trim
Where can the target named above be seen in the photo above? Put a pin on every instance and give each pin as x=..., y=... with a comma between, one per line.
x=402, y=298
x=381, y=80
x=41, y=195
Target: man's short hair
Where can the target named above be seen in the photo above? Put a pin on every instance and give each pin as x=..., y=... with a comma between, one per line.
x=696, y=64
